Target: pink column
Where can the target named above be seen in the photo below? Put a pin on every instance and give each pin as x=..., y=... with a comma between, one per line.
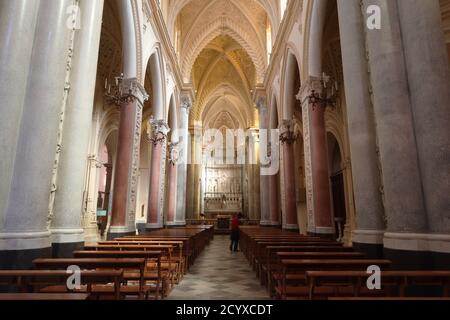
x=320, y=175
x=274, y=200
x=127, y=161
x=124, y=163
x=155, y=178
x=172, y=201
x=289, y=186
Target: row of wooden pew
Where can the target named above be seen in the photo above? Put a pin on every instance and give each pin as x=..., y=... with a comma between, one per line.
x=293, y=266
x=145, y=267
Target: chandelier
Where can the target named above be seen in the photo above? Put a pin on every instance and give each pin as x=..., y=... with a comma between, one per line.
x=114, y=92
x=327, y=96
x=290, y=133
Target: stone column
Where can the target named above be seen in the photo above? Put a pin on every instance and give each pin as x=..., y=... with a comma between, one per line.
x=255, y=188
x=194, y=171
x=402, y=185
x=318, y=192
x=16, y=44
x=25, y=230
x=361, y=126
x=66, y=228
x=171, y=192
x=157, y=174
x=274, y=190
x=429, y=79
x=290, y=222
x=186, y=104
x=264, y=179
x=123, y=217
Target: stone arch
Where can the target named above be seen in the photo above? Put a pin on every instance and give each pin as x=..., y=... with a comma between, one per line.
x=155, y=67
x=291, y=79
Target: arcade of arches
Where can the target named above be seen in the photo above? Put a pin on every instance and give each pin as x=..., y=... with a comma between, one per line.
x=104, y=122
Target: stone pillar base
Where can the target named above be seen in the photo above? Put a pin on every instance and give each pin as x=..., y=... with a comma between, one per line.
x=322, y=232
x=65, y=250
x=65, y=241
x=153, y=226
x=373, y=250
x=22, y=259
x=291, y=227
x=117, y=232
x=175, y=224
x=91, y=234
x=25, y=240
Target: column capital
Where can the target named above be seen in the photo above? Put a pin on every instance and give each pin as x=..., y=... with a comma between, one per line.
x=157, y=131
x=313, y=83
x=131, y=90
x=261, y=103
x=186, y=103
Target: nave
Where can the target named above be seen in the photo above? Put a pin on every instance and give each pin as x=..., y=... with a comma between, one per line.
x=190, y=263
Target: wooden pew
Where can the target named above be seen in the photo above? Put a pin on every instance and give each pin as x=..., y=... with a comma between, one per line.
x=149, y=256
x=168, y=274
x=39, y=281
x=141, y=290
x=393, y=283
x=292, y=283
x=259, y=252
x=269, y=259
x=178, y=256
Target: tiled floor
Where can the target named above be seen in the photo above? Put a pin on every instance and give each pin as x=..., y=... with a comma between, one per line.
x=220, y=275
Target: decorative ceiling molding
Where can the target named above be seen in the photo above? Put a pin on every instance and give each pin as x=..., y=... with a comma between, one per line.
x=210, y=32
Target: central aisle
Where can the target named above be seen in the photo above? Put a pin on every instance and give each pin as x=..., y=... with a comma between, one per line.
x=220, y=275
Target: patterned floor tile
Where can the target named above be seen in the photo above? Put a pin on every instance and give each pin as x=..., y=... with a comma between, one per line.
x=219, y=274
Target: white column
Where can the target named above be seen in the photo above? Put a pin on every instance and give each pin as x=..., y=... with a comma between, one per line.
x=361, y=126
x=429, y=85
x=16, y=44
x=185, y=108
x=264, y=179
x=402, y=185
x=66, y=225
x=26, y=223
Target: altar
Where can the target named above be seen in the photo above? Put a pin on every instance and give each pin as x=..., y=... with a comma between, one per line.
x=222, y=191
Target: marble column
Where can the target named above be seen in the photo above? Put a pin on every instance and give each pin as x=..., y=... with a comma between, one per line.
x=361, y=127
x=66, y=228
x=127, y=162
x=171, y=193
x=429, y=80
x=156, y=200
x=274, y=192
x=261, y=104
x=25, y=231
x=186, y=104
x=255, y=188
x=194, y=171
x=402, y=184
x=16, y=44
x=290, y=222
x=318, y=192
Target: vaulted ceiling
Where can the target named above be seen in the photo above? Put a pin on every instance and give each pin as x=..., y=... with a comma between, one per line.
x=222, y=48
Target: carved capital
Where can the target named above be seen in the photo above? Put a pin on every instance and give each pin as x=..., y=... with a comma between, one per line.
x=174, y=152
x=261, y=103
x=131, y=90
x=186, y=103
x=157, y=131
x=313, y=84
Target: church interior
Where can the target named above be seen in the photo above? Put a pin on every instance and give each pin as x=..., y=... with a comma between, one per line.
x=139, y=137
